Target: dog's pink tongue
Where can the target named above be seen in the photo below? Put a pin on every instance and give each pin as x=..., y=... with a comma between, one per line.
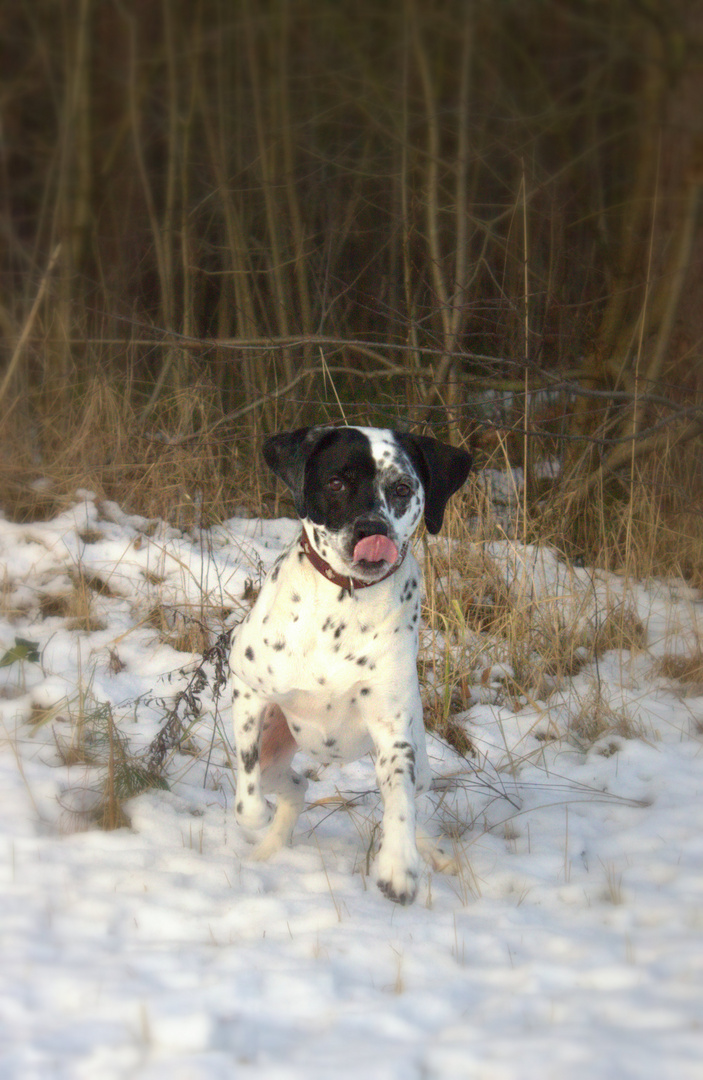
x=375, y=549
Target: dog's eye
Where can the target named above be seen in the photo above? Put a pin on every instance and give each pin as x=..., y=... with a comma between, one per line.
x=335, y=483
x=403, y=490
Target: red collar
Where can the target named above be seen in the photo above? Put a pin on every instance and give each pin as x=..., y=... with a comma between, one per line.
x=348, y=584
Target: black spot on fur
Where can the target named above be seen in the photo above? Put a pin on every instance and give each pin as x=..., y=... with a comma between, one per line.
x=275, y=572
x=249, y=652
x=365, y=690
x=250, y=758
x=240, y=806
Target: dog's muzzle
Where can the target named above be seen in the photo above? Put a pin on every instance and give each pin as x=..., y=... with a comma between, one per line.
x=372, y=544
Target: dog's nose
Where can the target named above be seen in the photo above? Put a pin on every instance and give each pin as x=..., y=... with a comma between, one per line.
x=370, y=526
x=372, y=542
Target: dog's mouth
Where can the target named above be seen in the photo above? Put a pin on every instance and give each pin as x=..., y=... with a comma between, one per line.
x=374, y=551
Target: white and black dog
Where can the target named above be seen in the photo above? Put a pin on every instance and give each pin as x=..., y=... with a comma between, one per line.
x=326, y=659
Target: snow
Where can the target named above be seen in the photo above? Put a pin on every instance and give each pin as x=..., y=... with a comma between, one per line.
x=570, y=942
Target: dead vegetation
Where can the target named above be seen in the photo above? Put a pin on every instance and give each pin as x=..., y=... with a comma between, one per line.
x=183, y=467
x=595, y=717
x=182, y=630
x=687, y=668
x=222, y=220
x=513, y=625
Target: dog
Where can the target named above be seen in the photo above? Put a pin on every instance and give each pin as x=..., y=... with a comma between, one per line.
x=326, y=660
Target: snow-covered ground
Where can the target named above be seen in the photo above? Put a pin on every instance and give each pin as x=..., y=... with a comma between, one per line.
x=569, y=945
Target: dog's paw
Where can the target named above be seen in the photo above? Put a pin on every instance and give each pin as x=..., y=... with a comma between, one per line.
x=397, y=878
x=271, y=843
x=435, y=853
x=253, y=815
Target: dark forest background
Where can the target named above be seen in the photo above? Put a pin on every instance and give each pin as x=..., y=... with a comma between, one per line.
x=478, y=218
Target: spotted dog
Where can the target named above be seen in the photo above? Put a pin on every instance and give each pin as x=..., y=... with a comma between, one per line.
x=326, y=659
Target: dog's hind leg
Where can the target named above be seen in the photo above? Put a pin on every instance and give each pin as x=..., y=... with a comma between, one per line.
x=291, y=800
x=433, y=851
x=278, y=748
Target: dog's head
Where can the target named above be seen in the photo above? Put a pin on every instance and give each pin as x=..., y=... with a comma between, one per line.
x=362, y=491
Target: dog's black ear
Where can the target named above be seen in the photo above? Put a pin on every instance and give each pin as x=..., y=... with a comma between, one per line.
x=287, y=454
x=442, y=469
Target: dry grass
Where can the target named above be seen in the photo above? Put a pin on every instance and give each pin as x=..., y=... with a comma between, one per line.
x=687, y=668
x=184, y=465
x=498, y=633
x=87, y=734
x=183, y=631
x=646, y=522
x=595, y=717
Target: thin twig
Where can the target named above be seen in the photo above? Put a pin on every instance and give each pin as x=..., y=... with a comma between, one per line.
x=29, y=322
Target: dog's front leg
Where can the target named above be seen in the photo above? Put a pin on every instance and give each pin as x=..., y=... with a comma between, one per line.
x=248, y=710
x=398, y=863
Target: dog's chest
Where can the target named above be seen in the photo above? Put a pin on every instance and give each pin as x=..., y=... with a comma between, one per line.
x=322, y=654
x=306, y=633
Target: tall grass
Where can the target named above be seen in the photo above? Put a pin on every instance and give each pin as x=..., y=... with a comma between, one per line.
x=224, y=218
x=273, y=171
